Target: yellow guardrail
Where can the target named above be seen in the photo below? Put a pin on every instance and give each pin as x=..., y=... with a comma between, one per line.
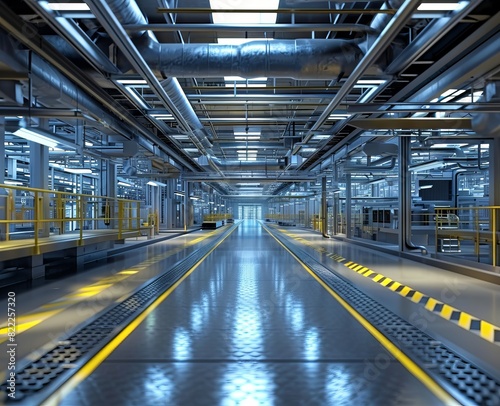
x=216, y=217
x=31, y=213
x=476, y=224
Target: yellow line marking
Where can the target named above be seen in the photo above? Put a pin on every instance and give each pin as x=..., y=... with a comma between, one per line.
x=91, y=365
x=413, y=368
x=417, y=297
x=386, y=281
x=87, y=292
x=431, y=303
x=464, y=320
x=446, y=311
x=487, y=331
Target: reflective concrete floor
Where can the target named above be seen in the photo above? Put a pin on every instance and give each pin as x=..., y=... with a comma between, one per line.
x=250, y=326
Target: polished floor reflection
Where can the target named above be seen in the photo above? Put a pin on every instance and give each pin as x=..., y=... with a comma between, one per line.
x=250, y=327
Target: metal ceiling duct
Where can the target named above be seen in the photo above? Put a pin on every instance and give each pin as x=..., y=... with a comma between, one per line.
x=305, y=59
x=300, y=59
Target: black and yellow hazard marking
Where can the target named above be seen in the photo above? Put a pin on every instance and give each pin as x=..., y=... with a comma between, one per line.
x=32, y=319
x=482, y=328
x=406, y=361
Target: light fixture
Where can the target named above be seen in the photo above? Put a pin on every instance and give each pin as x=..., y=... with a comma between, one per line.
x=244, y=18
x=425, y=187
x=425, y=166
x=78, y=170
x=339, y=116
x=132, y=81
x=371, y=82
x=439, y=6
x=33, y=135
x=165, y=116
x=179, y=193
x=247, y=133
x=12, y=182
x=68, y=6
x=156, y=183
x=121, y=183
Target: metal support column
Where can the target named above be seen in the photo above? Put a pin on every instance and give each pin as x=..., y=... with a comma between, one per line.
x=186, y=206
x=494, y=191
x=348, y=211
x=324, y=208
x=3, y=193
x=404, y=223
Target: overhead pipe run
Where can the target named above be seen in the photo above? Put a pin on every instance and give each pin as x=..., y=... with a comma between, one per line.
x=303, y=59
x=169, y=92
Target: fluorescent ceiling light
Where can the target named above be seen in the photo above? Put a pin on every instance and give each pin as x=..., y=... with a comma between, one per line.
x=247, y=138
x=165, y=117
x=132, y=81
x=448, y=92
x=447, y=145
x=425, y=187
x=426, y=166
x=156, y=183
x=240, y=79
x=244, y=158
x=439, y=6
x=244, y=18
x=179, y=193
x=68, y=6
x=370, y=82
x=232, y=81
x=247, y=133
x=321, y=136
x=248, y=184
x=12, y=182
x=89, y=144
x=339, y=116
x=121, y=183
x=78, y=170
x=35, y=136
x=247, y=151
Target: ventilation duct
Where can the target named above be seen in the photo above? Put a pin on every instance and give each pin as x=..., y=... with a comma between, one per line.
x=299, y=59
x=488, y=125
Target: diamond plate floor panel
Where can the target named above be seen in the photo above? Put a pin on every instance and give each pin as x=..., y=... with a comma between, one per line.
x=250, y=326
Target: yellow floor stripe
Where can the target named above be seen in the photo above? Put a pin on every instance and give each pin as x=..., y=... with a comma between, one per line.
x=98, y=358
x=86, y=292
x=489, y=332
x=464, y=320
x=413, y=368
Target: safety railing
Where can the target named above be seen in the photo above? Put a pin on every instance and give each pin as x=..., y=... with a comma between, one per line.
x=31, y=214
x=216, y=217
x=468, y=232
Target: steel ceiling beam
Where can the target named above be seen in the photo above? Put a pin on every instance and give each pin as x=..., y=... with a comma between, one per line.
x=249, y=27
x=308, y=11
x=381, y=43
x=412, y=123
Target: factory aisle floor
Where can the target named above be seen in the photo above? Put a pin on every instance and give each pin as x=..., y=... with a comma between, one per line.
x=251, y=326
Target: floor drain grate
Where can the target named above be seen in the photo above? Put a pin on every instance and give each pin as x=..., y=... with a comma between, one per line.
x=446, y=366
x=74, y=350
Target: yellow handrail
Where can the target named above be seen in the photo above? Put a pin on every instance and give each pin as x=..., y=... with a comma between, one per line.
x=41, y=212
